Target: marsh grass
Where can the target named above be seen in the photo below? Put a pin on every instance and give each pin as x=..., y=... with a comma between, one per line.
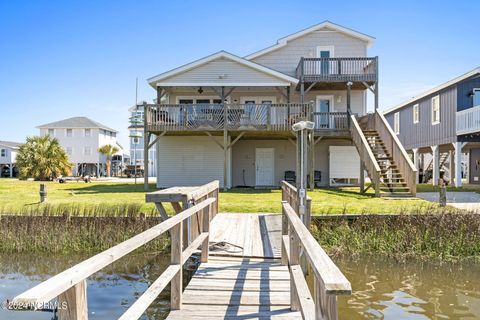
x=73, y=234
x=447, y=235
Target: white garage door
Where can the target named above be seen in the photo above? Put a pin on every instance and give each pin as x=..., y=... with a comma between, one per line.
x=344, y=164
x=188, y=161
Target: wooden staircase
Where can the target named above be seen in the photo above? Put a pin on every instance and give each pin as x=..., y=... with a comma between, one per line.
x=392, y=182
x=382, y=155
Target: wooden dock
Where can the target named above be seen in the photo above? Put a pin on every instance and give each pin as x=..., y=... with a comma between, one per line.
x=253, y=266
x=244, y=277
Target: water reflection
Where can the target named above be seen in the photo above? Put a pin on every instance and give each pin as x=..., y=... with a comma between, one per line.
x=387, y=289
x=382, y=288
x=110, y=292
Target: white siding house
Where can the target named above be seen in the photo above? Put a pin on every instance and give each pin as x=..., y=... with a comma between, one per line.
x=81, y=137
x=8, y=154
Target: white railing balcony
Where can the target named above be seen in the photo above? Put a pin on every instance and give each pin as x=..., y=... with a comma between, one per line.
x=468, y=120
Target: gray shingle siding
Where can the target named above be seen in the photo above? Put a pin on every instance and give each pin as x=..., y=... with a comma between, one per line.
x=423, y=133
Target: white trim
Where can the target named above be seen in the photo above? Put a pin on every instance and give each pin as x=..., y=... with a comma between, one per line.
x=331, y=49
x=153, y=81
x=326, y=24
x=396, y=122
x=433, y=90
x=417, y=118
x=196, y=97
x=224, y=84
x=434, y=121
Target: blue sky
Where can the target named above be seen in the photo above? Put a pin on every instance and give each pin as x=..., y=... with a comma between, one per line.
x=80, y=58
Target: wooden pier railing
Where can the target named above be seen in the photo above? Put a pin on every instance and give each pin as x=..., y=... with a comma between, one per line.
x=329, y=281
x=69, y=286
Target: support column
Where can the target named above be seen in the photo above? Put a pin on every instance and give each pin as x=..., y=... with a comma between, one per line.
x=98, y=169
x=362, y=177
x=146, y=141
x=458, y=164
x=416, y=163
x=451, y=165
x=436, y=165
x=11, y=170
x=225, y=140
x=376, y=86
x=349, y=101
x=311, y=142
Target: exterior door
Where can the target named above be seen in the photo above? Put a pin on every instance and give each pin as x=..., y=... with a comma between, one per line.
x=264, y=164
x=325, y=65
x=324, y=106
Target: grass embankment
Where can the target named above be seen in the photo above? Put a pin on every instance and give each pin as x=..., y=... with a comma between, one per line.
x=67, y=235
x=21, y=197
x=446, y=236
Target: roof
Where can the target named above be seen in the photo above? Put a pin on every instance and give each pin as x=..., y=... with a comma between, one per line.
x=221, y=54
x=76, y=122
x=10, y=144
x=323, y=25
x=435, y=89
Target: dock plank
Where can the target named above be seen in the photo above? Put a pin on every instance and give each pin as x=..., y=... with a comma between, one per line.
x=245, y=280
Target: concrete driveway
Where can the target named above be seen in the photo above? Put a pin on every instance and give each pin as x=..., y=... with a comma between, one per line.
x=460, y=200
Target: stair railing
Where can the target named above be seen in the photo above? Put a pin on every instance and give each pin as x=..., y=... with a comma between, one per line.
x=397, y=151
x=366, y=154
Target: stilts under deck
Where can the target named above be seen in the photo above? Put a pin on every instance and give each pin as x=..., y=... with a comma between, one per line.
x=244, y=277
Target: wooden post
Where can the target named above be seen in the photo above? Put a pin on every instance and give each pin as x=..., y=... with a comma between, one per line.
x=458, y=164
x=294, y=260
x=176, y=259
x=362, y=177
x=311, y=149
x=284, y=232
x=206, y=217
x=325, y=305
x=376, y=84
x=349, y=102
x=72, y=304
x=43, y=192
x=146, y=141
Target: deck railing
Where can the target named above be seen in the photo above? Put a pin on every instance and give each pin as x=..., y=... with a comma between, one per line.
x=69, y=286
x=338, y=69
x=468, y=120
x=211, y=117
x=397, y=151
x=329, y=281
x=331, y=120
x=366, y=154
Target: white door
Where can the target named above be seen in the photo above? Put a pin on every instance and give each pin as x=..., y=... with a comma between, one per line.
x=264, y=161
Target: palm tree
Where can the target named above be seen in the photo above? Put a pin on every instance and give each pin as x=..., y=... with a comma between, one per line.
x=42, y=158
x=108, y=150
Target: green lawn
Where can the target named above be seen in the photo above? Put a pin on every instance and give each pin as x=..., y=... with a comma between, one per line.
x=22, y=196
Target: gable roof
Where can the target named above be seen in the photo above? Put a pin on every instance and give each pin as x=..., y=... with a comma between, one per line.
x=221, y=54
x=447, y=84
x=76, y=122
x=10, y=144
x=323, y=25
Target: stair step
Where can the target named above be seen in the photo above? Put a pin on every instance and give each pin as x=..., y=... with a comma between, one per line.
x=396, y=195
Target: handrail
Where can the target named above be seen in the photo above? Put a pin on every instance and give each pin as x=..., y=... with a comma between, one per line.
x=69, y=285
x=395, y=147
x=366, y=154
x=329, y=281
x=338, y=68
x=468, y=120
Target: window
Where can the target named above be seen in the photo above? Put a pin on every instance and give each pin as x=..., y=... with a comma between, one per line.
x=435, y=109
x=87, y=151
x=51, y=132
x=416, y=113
x=88, y=132
x=69, y=132
x=3, y=153
x=396, y=122
x=476, y=97
x=69, y=151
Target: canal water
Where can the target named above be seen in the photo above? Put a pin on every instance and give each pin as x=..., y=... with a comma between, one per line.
x=382, y=288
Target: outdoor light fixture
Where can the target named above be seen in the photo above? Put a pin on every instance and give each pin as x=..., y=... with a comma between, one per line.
x=303, y=125
x=200, y=90
x=301, y=128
